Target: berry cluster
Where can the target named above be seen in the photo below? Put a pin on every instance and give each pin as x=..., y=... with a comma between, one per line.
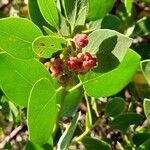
x=82, y=63
x=78, y=64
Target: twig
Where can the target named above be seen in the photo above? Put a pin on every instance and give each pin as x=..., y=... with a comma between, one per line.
x=12, y=135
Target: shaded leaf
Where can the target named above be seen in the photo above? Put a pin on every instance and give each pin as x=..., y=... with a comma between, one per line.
x=99, y=8
x=144, y=146
x=72, y=103
x=94, y=143
x=115, y=106
x=122, y=122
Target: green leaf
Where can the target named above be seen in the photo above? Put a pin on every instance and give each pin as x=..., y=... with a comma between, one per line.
x=107, y=45
x=145, y=145
x=145, y=66
x=140, y=138
x=18, y=43
x=45, y=46
x=115, y=106
x=36, y=15
x=66, y=137
x=94, y=143
x=110, y=83
x=142, y=27
x=146, y=106
x=122, y=122
x=99, y=8
x=114, y=25
x=73, y=10
x=42, y=111
x=18, y=76
x=32, y=146
x=81, y=17
x=49, y=12
x=128, y=5
x=72, y=102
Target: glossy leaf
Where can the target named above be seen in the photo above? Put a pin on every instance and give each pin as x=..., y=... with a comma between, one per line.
x=94, y=143
x=66, y=137
x=49, y=12
x=42, y=111
x=99, y=8
x=19, y=75
x=18, y=43
x=115, y=106
x=45, y=46
x=145, y=65
x=110, y=83
x=122, y=122
x=146, y=106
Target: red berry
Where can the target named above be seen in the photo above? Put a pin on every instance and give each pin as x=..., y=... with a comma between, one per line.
x=57, y=61
x=73, y=64
x=55, y=71
x=80, y=40
x=87, y=65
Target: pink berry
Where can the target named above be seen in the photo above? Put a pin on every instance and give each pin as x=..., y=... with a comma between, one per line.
x=55, y=71
x=57, y=61
x=73, y=64
x=89, y=64
x=80, y=40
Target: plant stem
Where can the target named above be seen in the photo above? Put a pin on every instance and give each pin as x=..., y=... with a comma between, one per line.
x=75, y=87
x=59, y=89
x=79, y=138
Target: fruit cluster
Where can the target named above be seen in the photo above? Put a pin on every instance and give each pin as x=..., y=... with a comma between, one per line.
x=79, y=64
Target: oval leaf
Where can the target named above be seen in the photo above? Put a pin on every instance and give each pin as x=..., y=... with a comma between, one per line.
x=49, y=12
x=19, y=75
x=93, y=144
x=42, y=111
x=99, y=8
x=115, y=106
x=122, y=122
x=110, y=83
x=18, y=43
x=45, y=46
